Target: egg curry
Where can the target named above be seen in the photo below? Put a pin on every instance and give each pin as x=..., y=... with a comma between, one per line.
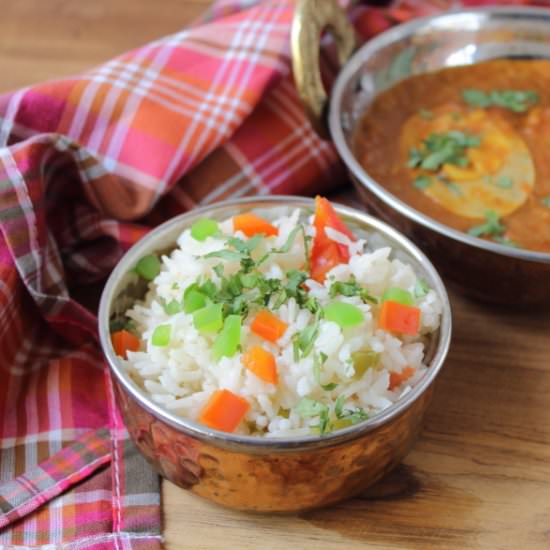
x=469, y=146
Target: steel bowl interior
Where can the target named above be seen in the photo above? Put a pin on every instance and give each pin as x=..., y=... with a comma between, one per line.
x=424, y=45
x=119, y=293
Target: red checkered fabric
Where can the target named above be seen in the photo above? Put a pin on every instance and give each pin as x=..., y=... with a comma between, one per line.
x=87, y=166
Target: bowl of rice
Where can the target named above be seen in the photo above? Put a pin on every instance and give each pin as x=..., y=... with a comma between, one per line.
x=274, y=354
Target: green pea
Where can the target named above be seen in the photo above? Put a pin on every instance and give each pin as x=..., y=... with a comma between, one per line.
x=345, y=315
x=229, y=339
x=172, y=307
x=193, y=299
x=148, y=267
x=396, y=294
x=161, y=336
x=364, y=360
x=208, y=319
x=204, y=228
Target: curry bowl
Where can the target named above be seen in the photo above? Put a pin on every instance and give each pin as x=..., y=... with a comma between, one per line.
x=484, y=269
x=282, y=474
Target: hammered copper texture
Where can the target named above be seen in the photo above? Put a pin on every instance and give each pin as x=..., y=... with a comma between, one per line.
x=271, y=481
x=481, y=274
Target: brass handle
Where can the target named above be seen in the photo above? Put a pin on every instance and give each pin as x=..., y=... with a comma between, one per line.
x=311, y=17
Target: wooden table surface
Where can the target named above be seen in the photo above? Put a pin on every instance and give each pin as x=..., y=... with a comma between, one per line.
x=479, y=476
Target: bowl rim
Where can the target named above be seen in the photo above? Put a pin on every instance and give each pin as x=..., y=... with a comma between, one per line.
x=354, y=64
x=255, y=443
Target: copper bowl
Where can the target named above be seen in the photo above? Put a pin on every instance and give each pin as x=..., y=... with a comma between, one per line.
x=483, y=269
x=260, y=474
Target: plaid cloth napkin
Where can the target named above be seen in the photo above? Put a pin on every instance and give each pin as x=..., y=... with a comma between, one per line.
x=205, y=114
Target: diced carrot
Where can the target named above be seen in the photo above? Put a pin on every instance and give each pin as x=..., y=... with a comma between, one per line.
x=251, y=225
x=326, y=253
x=396, y=317
x=262, y=363
x=268, y=326
x=124, y=341
x=224, y=411
x=397, y=378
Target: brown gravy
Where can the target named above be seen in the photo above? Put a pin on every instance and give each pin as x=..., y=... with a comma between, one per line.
x=421, y=104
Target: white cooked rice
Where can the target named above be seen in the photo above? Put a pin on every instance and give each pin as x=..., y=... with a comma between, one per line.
x=183, y=375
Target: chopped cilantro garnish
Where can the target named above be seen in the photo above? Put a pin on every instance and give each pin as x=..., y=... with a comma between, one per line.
x=317, y=365
x=218, y=270
x=121, y=323
x=492, y=226
x=148, y=267
x=303, y=341
x=505, y=241
x=454, y=188
x=172, y=307
x=505, y=182
x=517, y=101
x=240, y=250
x=355, y=415
x=339, y=406
x=425, y=114
x=226, y=254
x=421, y=288
x=440, y=148
x=546, y=202
x=351, y=288
x=310, y=408
x=289, y=242
x=249, y=286
x=422, y=182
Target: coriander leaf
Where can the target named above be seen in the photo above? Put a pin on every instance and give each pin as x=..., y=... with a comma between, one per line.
x=286, y=246
x=351, y=288
x=250, y=280
x=218, y=270
x=455, y=189
x=306, y=338
x=517, y=101
x=505, y=182
x=279, y=298
x=476, y=98
x=307, y=241
x=546, y=202
x=208, y=288
x=294, y=279
x=415, y=158
x=324, y=421
x=441, y=148
x=491, y=227
x=245, y=247
x=422, y=182
x=295, y=349
x=121, y=323
x=308, y=408
x=505, y=241
x=317, y=373
x=172, y=307
x=425, y=114
x=339, y=406
x=421, y=288
x=289, y=242
x=225, y=254
x=356, y=415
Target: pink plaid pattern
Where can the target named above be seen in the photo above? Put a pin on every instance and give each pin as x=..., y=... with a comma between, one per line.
x=195, y=117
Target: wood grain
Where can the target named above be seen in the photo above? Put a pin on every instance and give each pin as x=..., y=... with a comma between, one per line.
x=479, y=476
